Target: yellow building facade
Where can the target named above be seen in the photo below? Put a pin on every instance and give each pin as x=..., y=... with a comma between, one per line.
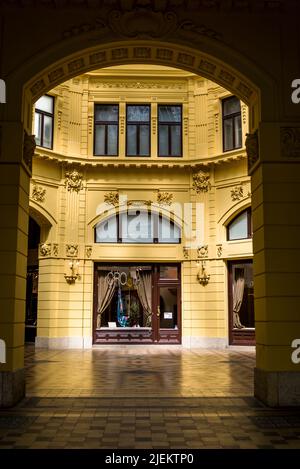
x=179, y=169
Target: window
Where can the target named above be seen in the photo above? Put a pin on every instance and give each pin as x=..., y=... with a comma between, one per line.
x=106, y=129
x=43, y=121
x=240, y=227
x=232, y=124
x=137, y=130
x=139, y=227
x=169, y=130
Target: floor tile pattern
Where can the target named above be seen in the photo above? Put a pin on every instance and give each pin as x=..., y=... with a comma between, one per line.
x=144, y=397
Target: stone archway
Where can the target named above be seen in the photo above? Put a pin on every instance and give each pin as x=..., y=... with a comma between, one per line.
x=151, y=32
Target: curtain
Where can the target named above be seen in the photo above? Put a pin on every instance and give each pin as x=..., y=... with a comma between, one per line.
x=105, y=293
x=238, y=293
x=144, y=289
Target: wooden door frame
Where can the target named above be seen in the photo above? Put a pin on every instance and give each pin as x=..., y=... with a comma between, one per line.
x=249, y=340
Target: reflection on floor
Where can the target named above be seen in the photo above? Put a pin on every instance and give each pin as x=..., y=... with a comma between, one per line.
x=144, y=397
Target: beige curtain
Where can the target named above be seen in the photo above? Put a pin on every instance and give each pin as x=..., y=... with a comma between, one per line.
x=238, y=293
x=105, y=293
x=144, y=289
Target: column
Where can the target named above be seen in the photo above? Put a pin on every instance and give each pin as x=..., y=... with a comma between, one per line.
x=276, y=208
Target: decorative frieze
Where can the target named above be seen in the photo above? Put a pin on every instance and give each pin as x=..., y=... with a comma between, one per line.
x=219, y=250
x=201, y=182
x=252, y=148
x=202, y=251
x=112, y=198
x=73, y=181
x=88, y=251
x=290, y=142
x=45, y=250
x=55, y=250
x=186, y=253
x=237, y=193
x=28, y=149
x=72, y=250
x=164, y=198
x=38, y=193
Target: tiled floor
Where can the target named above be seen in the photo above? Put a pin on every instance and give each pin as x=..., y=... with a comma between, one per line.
x=144, y=397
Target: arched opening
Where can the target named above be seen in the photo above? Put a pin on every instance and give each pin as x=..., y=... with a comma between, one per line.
x=65, y=61
x=34, y=236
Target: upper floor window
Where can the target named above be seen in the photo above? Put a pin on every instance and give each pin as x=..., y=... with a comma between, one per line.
x=232, y=124
x=43, y=121
x=169, y=130
x=106, y=129
x=137, y=130
x=240, y=227
x=139, y=227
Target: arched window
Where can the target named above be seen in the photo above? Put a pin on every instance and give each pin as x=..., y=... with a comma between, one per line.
x=139, y=227
x=240, y=227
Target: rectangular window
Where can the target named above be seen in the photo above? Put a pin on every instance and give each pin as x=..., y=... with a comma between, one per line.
x=137, y=130
x=43, y=121
x=106, y=129
x=232, y=124
x=169, y=130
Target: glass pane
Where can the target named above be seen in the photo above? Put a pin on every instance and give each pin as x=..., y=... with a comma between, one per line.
x=45, y=103
x=106, y=232
x=163, y=141
x=175, y=140
x=168, y=272
x=131, y=140
x=136, y=227
x=231, y=106
x=47, y=132
x=168, y=231
x=238, y=131
x=137, y=113
x=243, y=283
x=144, y=140
x=112, y=139
x=238, y=229
x=168, y=307
x=228, y=134
x=38, y=128
x=169, y=113
x=100, y=140
x=107, y=112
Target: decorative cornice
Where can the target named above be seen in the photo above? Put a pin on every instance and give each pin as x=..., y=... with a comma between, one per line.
x=132, y=162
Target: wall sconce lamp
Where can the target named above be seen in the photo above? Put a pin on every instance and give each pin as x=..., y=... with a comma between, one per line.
x=73, y=275
x=202, y=276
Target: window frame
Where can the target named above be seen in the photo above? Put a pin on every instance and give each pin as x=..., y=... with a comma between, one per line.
x=106, y=124
x=231, y=117
x=48, y=114
x=156, y=228
x=170, y=124
x=249, y=225
x=138, y=124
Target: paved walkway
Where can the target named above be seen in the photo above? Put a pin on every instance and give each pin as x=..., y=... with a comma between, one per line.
x=144, y=397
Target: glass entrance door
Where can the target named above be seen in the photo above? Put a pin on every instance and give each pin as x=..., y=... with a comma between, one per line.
x=166, y=317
